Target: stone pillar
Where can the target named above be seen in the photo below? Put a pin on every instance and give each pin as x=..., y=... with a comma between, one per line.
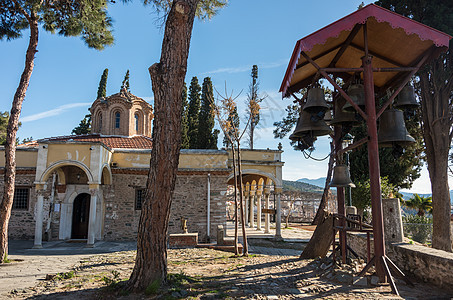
x=246, y=206
x=278, y=216
x=94, y=191
x=252, y=208
x=258, y=212
x=39, y=219
x=393, y=226
x=267, y=224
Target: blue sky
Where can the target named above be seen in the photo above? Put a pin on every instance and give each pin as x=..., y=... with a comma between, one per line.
x=263, y=32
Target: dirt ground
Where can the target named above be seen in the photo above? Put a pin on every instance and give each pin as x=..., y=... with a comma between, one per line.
x=210, y=274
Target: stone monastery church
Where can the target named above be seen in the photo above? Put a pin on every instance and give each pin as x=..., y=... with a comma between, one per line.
x=91, y=187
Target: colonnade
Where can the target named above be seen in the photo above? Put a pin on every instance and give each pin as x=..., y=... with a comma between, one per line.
x=255, y=194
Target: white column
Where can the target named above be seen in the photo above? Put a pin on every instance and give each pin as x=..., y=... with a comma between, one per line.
x=92, y=220
x=251, y=209
x=258, y=212
x=39, y=221
x=267, y=224
x=246, y=200
x=278, y=218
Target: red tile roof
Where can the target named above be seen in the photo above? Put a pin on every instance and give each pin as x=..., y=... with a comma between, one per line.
x=111, y=141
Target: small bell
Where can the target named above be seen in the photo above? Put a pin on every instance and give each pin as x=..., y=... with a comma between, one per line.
x=306, y=125
x=357, y=93
x=316, y=103
x=341, y=177
x=406, y=99
x=343, y=117
x=392, y=129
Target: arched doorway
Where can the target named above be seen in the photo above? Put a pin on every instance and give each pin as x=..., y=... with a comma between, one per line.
x=80, y=216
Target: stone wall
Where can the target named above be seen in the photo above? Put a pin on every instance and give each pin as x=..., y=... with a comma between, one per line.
x=426, y=264
x=121, y=219
x=189, y=201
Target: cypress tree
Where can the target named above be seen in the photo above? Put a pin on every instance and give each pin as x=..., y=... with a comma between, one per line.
x=207, y=139
x=102, y=89
x=185, y=121
x=125, y=83
x=193, y=112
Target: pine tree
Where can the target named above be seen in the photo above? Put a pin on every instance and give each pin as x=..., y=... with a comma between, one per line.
x=65, y=18
x=102, y=89
x=207, y=138
x=125, y=83
x=193, y=112
x=184, y=121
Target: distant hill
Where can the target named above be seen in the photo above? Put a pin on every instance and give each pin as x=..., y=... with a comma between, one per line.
x=300, y=186
x=320, y=182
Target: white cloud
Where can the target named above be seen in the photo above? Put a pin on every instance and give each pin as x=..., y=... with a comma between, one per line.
x=240, y=69
x=53, y=112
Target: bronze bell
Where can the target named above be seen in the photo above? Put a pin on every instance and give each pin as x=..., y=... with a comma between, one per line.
x=315, y=101
x=357, y=93
x=341, y=177
x=392, y=129
x=343, y=117
x=305, y=125
x=406, y=98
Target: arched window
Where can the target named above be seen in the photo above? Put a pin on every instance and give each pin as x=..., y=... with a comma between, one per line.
x=100, y=121
x=117, y=119
x=136, y=122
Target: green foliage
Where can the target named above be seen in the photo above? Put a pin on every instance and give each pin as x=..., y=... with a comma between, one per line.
x=207, y=137
x=185, y=120
x=102, y=89
x=193, y=112
x=84, y=126
x=206, y=8
x=402, y=171
x=434, y=13
x=6, y=260
x=296, y=186
x=422, y=204
x=418, y=228
x=112, y=282
x=64, y=275
x=125, y=83
x=361, y=195
x=153, y=288
x=85, y=18
x=4, y=117
x=27, y=140
x=284, y=127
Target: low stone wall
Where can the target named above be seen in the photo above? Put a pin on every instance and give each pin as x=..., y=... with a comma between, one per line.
x=426, y=264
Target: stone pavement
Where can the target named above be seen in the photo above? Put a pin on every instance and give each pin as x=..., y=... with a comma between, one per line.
x=31, y=265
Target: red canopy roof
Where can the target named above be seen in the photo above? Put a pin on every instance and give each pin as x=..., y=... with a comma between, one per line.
x=394, y=41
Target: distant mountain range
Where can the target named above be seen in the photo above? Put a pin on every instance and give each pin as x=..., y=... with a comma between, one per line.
x=301, y=186
x=320, y=182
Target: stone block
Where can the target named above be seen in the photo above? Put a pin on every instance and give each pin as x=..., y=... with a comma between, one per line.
x=183, y=240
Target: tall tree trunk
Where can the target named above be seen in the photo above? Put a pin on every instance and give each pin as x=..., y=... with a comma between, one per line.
x=167, y=78
x=11, y=135
x=322, y=205
x=437, y=135
x=236, y=221
x=241, y=204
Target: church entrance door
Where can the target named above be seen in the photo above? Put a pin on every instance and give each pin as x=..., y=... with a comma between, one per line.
x=80, y=216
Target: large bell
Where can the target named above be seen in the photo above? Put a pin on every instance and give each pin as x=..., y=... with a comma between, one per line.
x=406, y=98
x=357, y=93
x=306, y=125
x=343, y=117
x=392, y=129
x=316, y=102
x=341, y=177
